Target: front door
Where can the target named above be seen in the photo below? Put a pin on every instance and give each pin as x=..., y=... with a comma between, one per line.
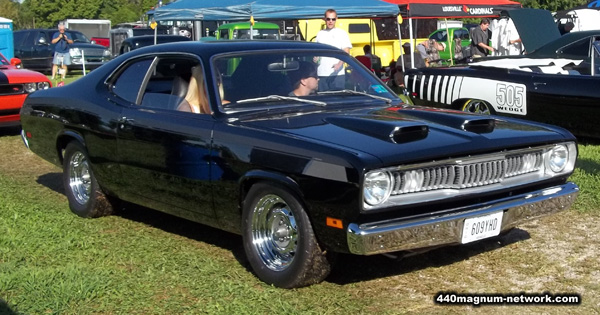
x=164, y=153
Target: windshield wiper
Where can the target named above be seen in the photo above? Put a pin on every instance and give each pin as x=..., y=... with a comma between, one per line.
x=281, y=98
x=387, y=100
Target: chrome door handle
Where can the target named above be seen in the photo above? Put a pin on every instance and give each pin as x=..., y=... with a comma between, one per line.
x=125, y=121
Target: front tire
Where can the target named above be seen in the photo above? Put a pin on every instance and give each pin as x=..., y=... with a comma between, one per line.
x=86, y=199
x=279, y=240
x=477, y=107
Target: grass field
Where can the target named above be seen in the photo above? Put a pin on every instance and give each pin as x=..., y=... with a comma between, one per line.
x=145, y=262
x=71, y=76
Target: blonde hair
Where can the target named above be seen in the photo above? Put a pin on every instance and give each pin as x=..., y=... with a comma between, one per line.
x=196, y=94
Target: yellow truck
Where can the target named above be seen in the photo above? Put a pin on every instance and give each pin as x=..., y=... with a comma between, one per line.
x=363, y=32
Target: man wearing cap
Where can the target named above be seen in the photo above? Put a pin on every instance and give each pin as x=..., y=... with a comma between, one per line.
x=304, y=80
x=331, y=70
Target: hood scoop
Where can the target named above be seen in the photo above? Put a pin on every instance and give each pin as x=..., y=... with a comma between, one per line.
x=396, y=131
x=479, y=125
x=457, y=120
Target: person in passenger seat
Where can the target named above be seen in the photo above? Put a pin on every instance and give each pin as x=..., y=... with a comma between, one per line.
x=196, y=99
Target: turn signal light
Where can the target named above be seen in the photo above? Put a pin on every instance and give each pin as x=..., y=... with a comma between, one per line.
x=336, y=223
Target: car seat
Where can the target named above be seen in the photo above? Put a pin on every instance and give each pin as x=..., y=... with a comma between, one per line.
x=179, y=89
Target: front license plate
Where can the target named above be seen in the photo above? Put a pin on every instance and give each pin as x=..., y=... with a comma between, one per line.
x=482, y=227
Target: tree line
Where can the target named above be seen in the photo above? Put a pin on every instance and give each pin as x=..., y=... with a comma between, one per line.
x=47, y=13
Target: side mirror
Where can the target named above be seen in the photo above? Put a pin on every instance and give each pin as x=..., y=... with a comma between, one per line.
x=15, y=61
x=42, y=41
x=93, y=42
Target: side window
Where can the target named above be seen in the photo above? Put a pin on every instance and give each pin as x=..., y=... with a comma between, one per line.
x=18, y=38
x=177, y=84
x=580, y=48
x=42, y=39
x=241, y=34
x=31, y=39
x=129, y=82
x=439, y=36
x=460, y=34
x=359, y=28
x=224, y=34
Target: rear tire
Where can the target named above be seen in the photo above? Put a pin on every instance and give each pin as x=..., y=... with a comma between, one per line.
x=279, y=240
x=477, y=107
x=86, y=199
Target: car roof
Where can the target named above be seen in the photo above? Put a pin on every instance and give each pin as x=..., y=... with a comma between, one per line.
x=551, y=48
x=210, y=48
x=144, y=38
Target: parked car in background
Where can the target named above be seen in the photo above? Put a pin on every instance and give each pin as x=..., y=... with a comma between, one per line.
x=34, y=48
x=556, y=83
x=242, y=30
x=105, y=42
x=459, y=38
x=136, y=42
x=14, y=63
x=301, y=176
x=15, y=85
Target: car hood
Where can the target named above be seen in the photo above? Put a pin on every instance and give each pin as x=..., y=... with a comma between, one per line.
x=536, y=27
x=11, y=76
x=410, y=134
x=86, y=46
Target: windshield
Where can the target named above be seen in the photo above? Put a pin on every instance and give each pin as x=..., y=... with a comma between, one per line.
x=308, y=78
x=257, y=34
x=79, y=37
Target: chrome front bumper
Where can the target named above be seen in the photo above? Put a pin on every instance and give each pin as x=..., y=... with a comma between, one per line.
x=401, y=234
x=78, y=64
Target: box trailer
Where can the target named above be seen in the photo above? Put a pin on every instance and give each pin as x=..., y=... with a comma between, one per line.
x=96, y=30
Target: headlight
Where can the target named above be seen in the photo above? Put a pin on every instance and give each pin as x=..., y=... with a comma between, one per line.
x=43, y=85
x=559, y=155
x=377, y=187
x=106, y=53
x=561, y=158
x=34, y=86
x=74, y=52
x=29, y=87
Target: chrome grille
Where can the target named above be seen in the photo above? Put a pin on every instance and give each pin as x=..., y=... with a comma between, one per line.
x=96, y=52
x=465, y=175
x=11, y=89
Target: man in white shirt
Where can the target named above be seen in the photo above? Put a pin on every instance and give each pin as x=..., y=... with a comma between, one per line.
x=331, y=70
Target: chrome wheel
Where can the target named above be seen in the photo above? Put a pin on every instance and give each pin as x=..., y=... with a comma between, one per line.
x=274, y=232
x=86, y=198
x=279, y=240
x=477, y=107
x=79, y=178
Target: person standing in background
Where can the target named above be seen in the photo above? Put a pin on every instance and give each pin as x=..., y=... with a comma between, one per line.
x=61, y=50
x=566, y=28
x=331, y=70
x=480, y=39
